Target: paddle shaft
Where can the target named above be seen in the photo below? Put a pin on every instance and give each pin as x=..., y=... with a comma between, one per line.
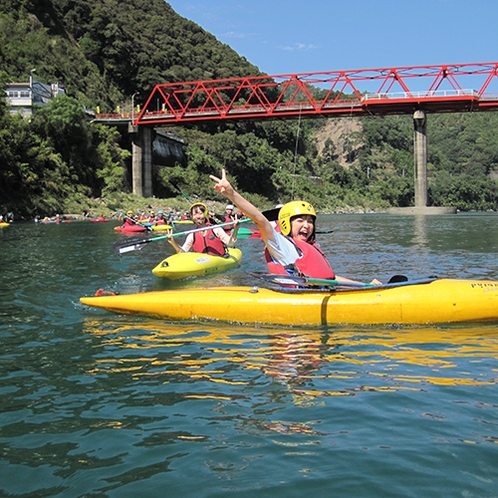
x=395, y=281
x=181, y=192
x=202, y=229
x=137, y=222
x=294, y=280
x=135, y=245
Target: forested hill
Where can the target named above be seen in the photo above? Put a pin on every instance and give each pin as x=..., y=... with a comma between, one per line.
x=105, y=51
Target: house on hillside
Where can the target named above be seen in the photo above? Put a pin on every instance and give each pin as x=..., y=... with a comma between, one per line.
x=23, y=97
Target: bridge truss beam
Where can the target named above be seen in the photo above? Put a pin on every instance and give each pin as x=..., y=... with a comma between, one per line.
x=362, y=92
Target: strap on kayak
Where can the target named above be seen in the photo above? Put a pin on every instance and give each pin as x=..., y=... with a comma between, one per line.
x=102, y=292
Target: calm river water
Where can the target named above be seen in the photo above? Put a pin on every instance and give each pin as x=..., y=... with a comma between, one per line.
x=95, y=404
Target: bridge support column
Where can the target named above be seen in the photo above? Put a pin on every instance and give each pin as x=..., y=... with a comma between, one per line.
x=420, y=158
x=141, y=171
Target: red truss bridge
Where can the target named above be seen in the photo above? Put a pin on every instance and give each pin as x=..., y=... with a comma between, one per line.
x=363, y=92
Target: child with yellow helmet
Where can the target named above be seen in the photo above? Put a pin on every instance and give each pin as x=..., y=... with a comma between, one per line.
x=210, y=241
x=294, y=250
x=129, y=219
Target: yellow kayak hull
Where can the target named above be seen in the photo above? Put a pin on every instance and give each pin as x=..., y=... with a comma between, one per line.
x=3, y=224
x=438, y=301
x=160, y=228
x=193, y=264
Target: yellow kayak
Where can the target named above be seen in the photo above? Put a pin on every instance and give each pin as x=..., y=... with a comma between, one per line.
x=194, y=264
x=3, y=224
x=431, y=301
x=160, y=228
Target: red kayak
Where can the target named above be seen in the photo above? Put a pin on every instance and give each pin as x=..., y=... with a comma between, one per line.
x=100, y=220
x=130, y=229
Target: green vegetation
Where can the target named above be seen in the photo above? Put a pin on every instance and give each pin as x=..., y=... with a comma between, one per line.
x=104, y=51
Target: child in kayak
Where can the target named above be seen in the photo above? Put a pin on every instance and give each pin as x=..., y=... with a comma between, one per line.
x=210, y=241
x=160, y=218
x=293, y=251
x=129, y=219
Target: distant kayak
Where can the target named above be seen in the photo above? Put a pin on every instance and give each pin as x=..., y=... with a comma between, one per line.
x=130, y=229
x=194, y=264
x=54, y=221
x=3, y=224
x=183, y=222
x=100, y=220
x=160, y=228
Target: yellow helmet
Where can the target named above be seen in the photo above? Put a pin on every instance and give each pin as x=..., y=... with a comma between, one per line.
x=202, y=206
x=130, y=213
x=291, y=209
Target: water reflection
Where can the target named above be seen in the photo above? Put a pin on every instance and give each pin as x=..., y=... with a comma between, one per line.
x=420, y=231
x=308, y=363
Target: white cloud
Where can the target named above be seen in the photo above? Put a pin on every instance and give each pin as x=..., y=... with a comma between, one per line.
x=298, y=46
x=238, y=34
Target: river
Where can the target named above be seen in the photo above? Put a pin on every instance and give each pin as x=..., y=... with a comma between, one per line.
x=96, y=404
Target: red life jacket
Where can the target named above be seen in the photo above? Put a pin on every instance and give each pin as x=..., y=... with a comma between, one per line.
x=210, y=244
x=228, y=219
x=311, y=263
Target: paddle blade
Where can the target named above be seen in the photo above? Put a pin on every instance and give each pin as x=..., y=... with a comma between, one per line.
x=246, y=233
x=122, y=247
x=397, y=278
x=271, y=214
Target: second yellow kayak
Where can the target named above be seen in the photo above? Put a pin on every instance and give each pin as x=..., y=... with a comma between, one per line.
x=160, y=228
x=194, y=264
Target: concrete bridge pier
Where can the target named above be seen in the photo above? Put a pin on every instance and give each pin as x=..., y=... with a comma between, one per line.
x=142, y=137
x=420, y=172
x=420, y=158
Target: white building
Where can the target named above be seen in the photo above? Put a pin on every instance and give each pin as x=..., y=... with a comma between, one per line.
x=22, y=97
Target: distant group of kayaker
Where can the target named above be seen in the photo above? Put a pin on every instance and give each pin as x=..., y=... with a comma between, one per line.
x=154, y=219
x=51, y=219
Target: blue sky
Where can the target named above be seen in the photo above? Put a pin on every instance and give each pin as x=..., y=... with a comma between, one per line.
x=290, y=36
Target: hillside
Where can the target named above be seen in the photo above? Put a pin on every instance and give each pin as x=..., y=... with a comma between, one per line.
x=106, y=50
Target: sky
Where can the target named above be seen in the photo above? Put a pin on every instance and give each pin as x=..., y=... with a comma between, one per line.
x=291, y=36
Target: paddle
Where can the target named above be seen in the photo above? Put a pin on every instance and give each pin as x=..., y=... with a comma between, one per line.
x=121, y=247
x=307, y=281
x=394, y=281
x=271, y=214
x=246, y=233
x=179, y=190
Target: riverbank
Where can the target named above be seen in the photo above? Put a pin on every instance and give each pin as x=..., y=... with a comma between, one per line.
x=114, y=206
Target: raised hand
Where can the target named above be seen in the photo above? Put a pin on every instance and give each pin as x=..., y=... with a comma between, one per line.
x=222, y=184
